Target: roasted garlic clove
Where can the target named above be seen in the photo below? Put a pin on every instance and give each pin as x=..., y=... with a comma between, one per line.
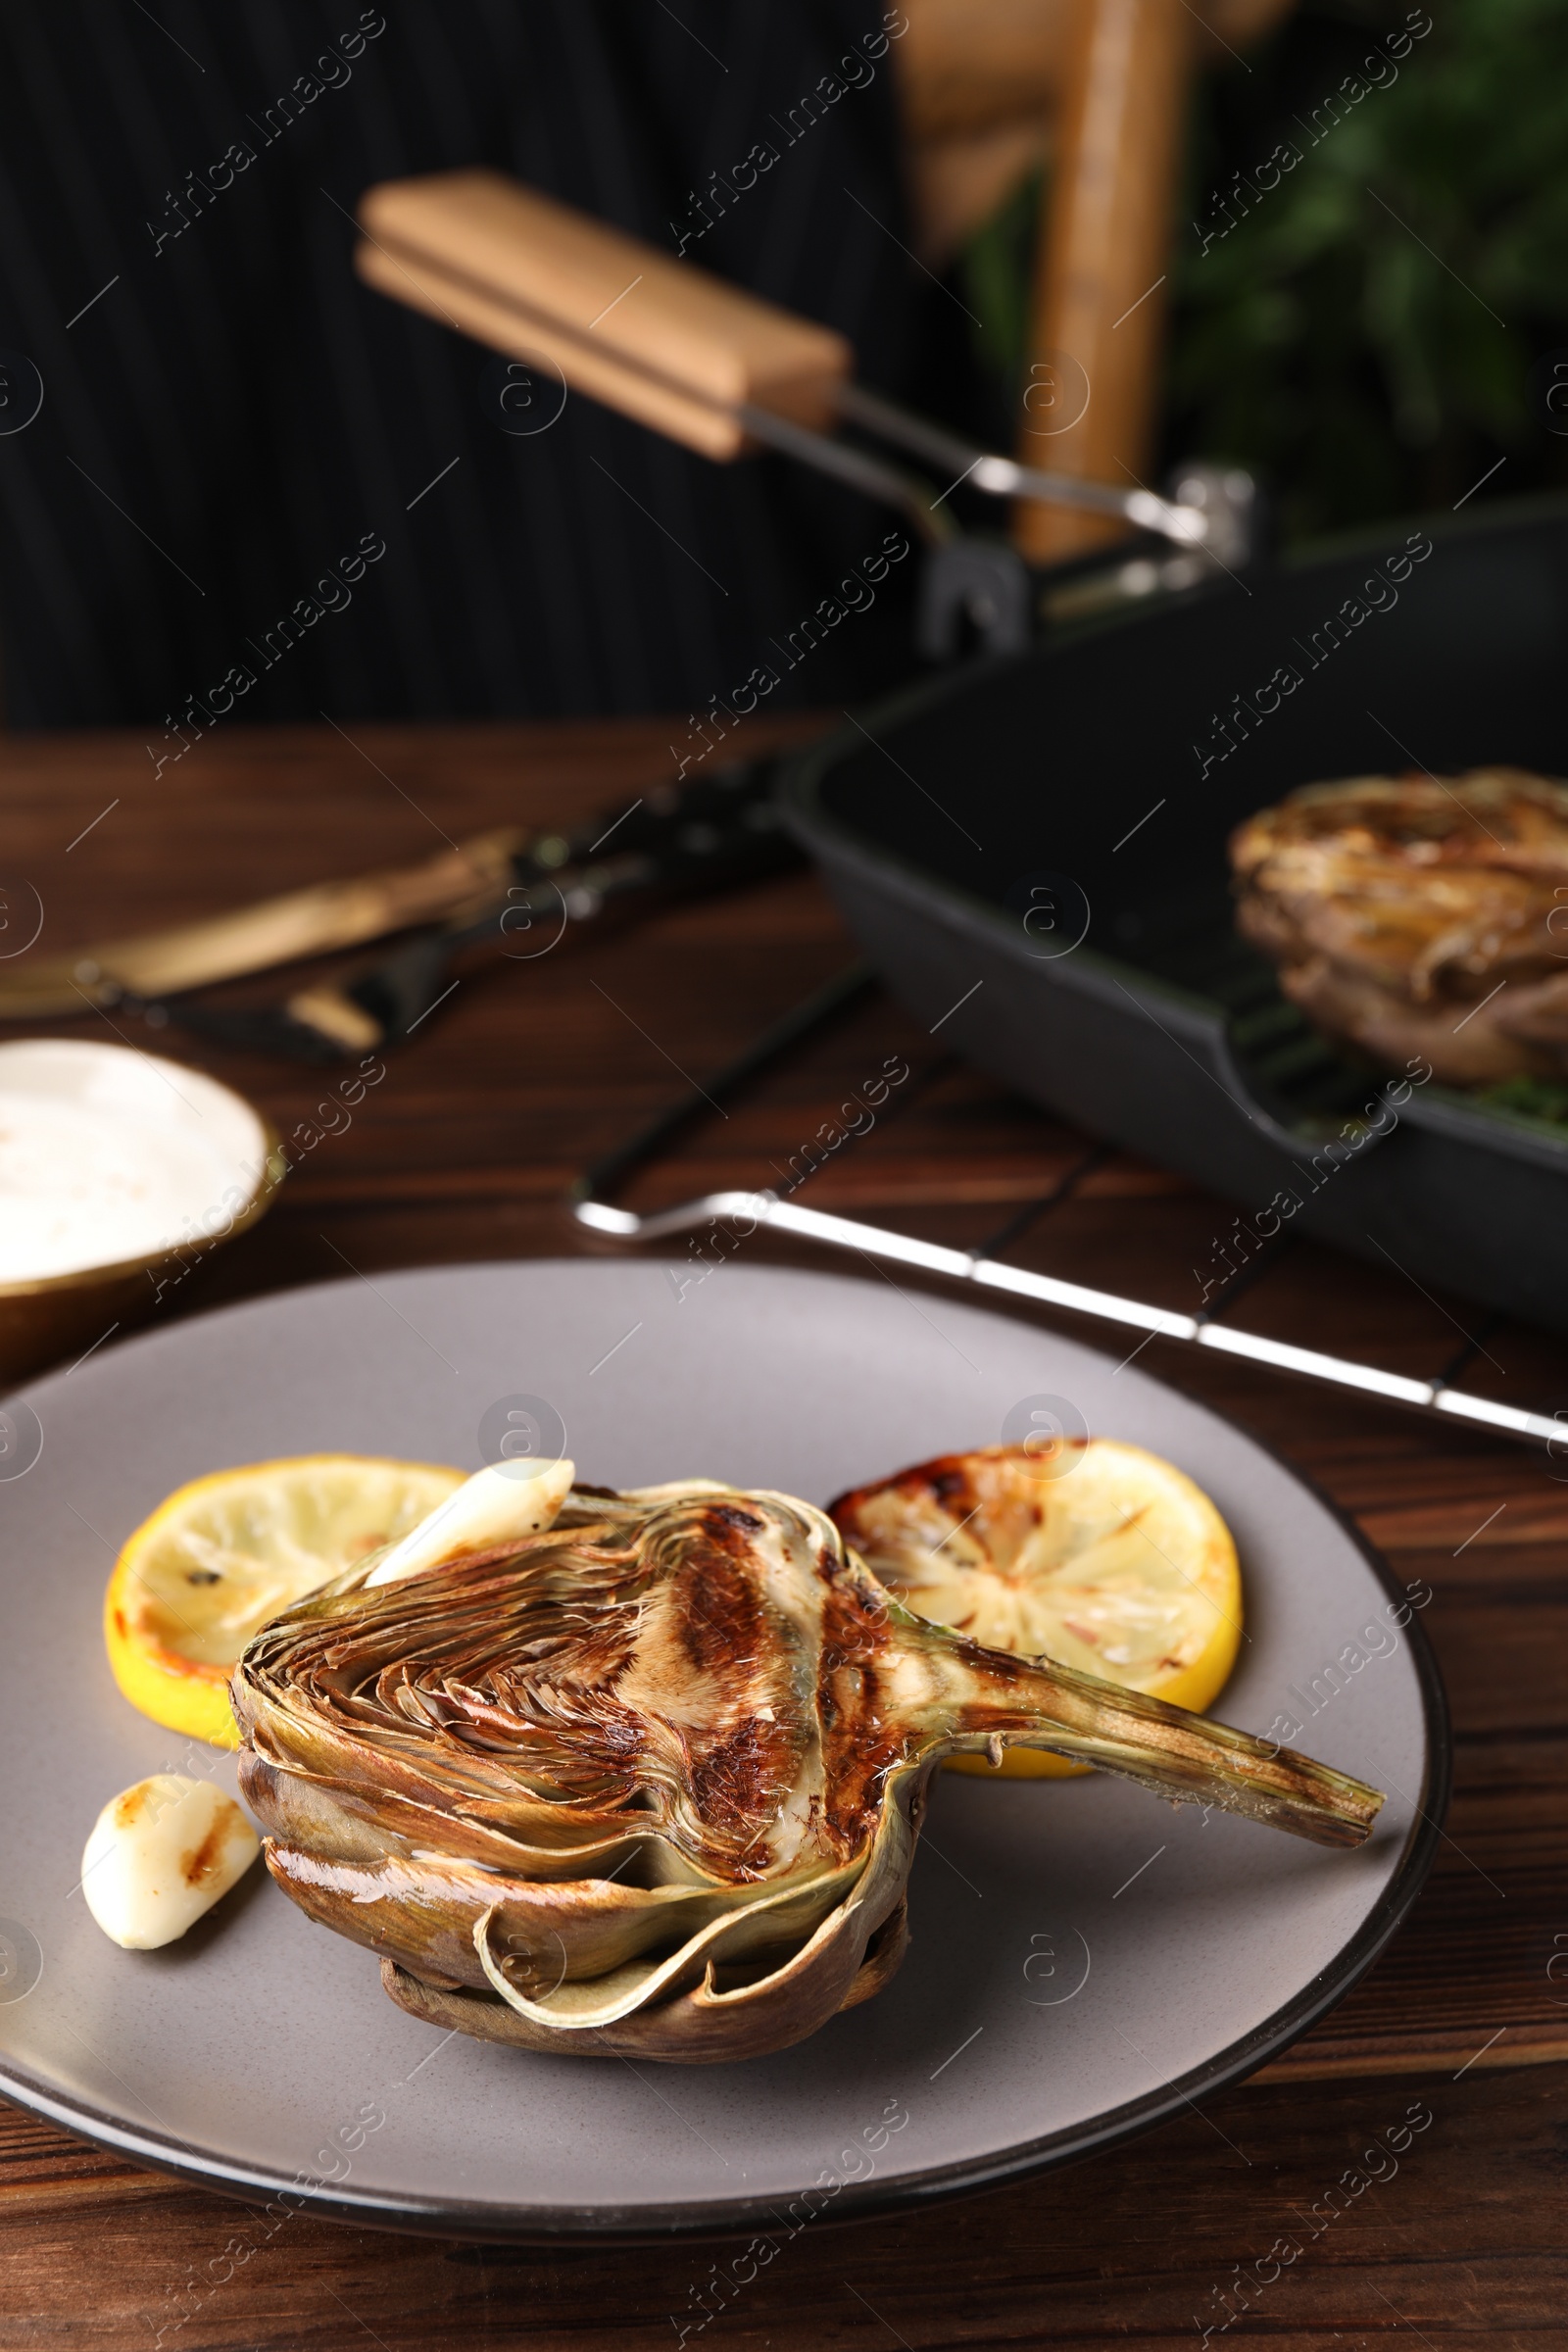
x=160, y=1855
x=501, y=1503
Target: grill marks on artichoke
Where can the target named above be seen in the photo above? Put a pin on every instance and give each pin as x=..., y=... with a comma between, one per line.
x=648, y=1783
x=864, y=1734
x=718, y=1679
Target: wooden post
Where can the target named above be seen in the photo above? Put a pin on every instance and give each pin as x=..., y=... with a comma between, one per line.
x=1099, y=292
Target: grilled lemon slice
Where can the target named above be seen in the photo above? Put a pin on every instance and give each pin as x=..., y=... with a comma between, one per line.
x=1097, y=1555
x=228, y=1553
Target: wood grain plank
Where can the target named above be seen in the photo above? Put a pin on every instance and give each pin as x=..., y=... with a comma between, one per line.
x=1145, y=2244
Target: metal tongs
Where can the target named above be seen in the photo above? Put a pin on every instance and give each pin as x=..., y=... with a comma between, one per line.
x=697, y=358
x=1184, y=522
x=515, y=892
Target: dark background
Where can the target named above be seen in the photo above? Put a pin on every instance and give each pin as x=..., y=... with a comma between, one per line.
x=1376, y=336
x=249, y=407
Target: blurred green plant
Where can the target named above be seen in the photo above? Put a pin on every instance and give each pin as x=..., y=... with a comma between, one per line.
x=1376, y=330
x=1529, y=1098
x=996, y=273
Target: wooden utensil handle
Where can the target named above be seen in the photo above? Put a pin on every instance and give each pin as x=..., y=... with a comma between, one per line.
x=305, y=922
x=1098, y=305
x=316, y=921
x=559, y=359
x=627, y=324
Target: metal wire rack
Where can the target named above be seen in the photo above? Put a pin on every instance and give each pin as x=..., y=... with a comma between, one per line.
x=594, y=1207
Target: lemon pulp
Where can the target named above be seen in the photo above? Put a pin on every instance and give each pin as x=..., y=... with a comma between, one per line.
x=228, y=1553
x=1099, y=1556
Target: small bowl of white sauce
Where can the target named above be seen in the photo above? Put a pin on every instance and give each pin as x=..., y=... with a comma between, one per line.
x=118, y=1170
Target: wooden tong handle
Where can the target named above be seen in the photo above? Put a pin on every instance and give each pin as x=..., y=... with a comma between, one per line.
x=1100, y=296
x=648, y=334
x=316, y=921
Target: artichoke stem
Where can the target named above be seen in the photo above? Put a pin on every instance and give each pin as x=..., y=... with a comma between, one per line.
x=1034, y=1702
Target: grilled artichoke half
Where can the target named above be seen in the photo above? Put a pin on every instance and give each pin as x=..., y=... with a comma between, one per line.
x=648, y=1783
x=1415, y=915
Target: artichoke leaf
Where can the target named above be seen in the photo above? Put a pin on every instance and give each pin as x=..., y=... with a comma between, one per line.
x=792, y=1922
x=709, y=2026
x=775, y=1922
x=427, y=1912
x=319, y=1814
x=400, y=1788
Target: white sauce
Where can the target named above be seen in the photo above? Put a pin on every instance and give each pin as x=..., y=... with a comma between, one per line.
x=108, y=1154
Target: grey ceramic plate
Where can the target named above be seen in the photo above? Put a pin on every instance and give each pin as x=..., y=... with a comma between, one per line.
x=1084, y=1958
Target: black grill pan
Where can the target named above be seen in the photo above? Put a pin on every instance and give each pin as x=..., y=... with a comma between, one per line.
x=974, y=827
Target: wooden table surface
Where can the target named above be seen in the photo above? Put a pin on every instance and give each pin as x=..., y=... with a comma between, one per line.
x=464, y=1152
